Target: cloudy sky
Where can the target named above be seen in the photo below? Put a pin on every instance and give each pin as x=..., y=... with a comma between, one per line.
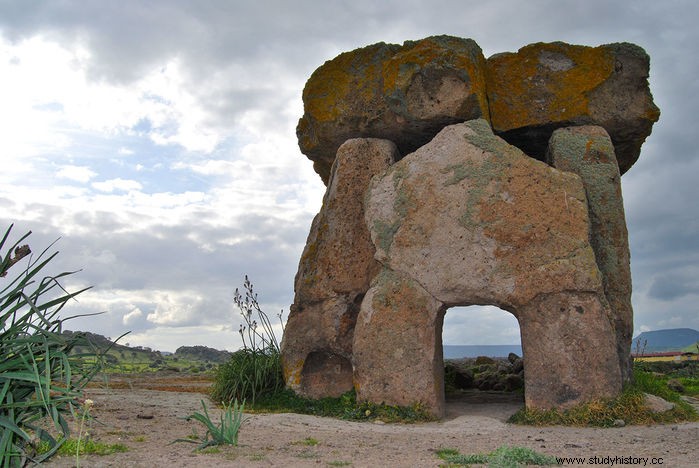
x=157, y=140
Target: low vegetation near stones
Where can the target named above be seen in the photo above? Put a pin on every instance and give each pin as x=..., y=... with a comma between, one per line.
x=502, y=457
x=255, y=370
x=261, y=373
x=630, y=407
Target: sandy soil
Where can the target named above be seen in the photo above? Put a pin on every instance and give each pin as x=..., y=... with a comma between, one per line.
x=148, y=420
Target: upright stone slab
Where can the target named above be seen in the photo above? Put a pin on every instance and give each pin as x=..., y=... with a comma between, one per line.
x=398, y=345
x=543, y=87
x=335, y=271
x=468, y=215
x=588, y=152
x=569, y=350
x=468, y=219
x=405, y=94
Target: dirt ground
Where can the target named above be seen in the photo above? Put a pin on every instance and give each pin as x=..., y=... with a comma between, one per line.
x=146, y=416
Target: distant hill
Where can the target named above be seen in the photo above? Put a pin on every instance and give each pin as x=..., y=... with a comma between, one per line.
x=202, y=353
x=124, y=358
x=102, y=342
x=673, y=339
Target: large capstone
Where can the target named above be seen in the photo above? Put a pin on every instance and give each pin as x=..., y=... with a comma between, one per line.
x=543, y=87
x=405, y=94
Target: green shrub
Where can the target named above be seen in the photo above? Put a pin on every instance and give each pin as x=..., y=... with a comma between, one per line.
x=38, y=376
x=248, y=375
x=255, y=370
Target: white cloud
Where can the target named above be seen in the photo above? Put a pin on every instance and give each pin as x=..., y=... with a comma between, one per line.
x=171, y=338
x=480, y=325
x=77, y=173
x=47, y=95
x=117, y=185
x=132, y=316
x=176, y=308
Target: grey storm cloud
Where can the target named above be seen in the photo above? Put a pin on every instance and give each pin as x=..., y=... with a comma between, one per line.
x=673, y=286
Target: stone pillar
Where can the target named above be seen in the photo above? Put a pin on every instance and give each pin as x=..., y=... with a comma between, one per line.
x=569, y=357
x=398, y=345
x=334, y=273
x=588, y=152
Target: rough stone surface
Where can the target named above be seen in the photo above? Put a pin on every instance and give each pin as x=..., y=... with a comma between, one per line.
x=569, y=349
x=402, y=93
x=656, y=404
x=468, y=219
x=588, y=152
x=398, y=345
x=546, y=86
x=335, y=271
x=469, y=216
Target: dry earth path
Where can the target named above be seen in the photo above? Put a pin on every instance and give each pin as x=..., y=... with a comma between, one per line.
x=147, y=421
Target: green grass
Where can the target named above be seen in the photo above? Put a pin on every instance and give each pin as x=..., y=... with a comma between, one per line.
x=687, y=373
x=308, y=441
x=343, y=407
x=693, y=348
x=502, y=457
x=691, y=386
x=256, y=370
x=249, y=375
x=87, y=447
x=629, y=407
x=124, y=362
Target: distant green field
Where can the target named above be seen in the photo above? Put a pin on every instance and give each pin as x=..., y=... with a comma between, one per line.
x=128, y=362
x=120, y=358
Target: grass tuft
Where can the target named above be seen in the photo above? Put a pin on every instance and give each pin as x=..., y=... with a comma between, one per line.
x=86, y=447
x=629, y=406
x=255, y=370
x=502, y=457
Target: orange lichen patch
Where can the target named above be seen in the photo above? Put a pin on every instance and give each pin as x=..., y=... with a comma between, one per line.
x=292, y=373
x=544, y=83
x=344, y=80
x=463, y=55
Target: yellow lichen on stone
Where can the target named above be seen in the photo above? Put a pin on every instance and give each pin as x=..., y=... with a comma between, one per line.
x=544, y=83
x=292, y=374
x=399, y=71
x=347, y=75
